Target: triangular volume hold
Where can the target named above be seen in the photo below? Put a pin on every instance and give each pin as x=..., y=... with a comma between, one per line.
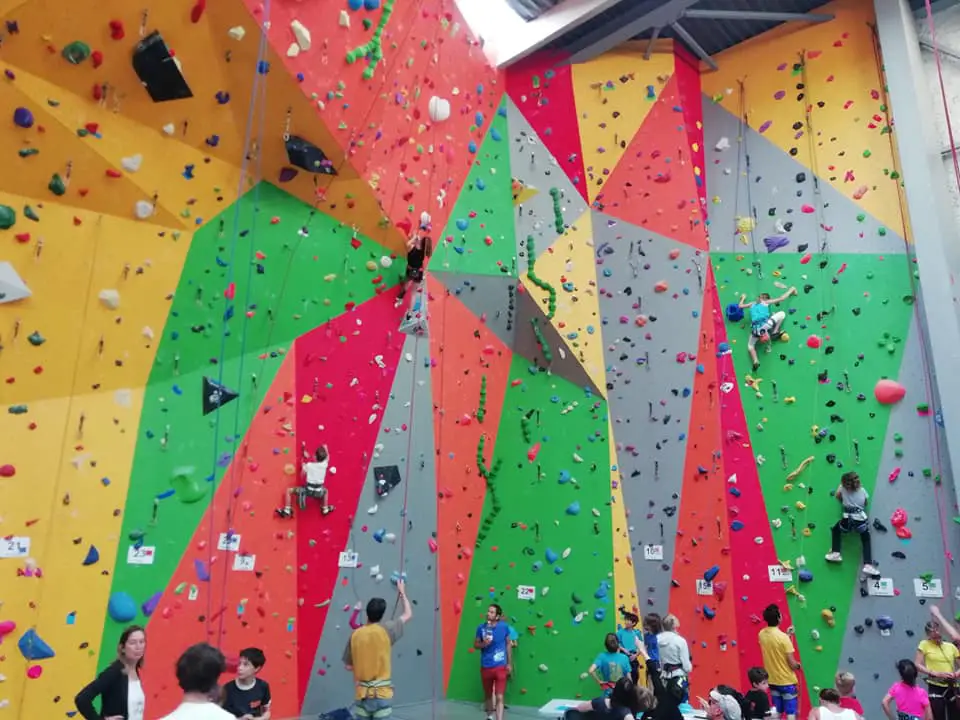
x=215, y=395
x=547, y=203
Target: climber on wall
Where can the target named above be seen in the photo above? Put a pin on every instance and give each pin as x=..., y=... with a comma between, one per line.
x=764, y=327
x=419, y=249
x=853, y=497
x=314, y=485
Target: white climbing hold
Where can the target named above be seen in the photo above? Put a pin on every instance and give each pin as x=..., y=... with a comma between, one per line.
x=722, y=144
x=378, y=359
x=372, y=510
x=293, y=50
x=143, y=209
x=408, y=357
x=577, y=458
x=237, y=32
x=123, y=398
x=12, y=286
x=344, y=19
x=147, y=332
x=386, y=261
x=110, y=299
x=390, y=537
x=374, y=570
x=439, y=109
x=566, y=553
x=132, y=164
x=169, y=129
x=301, y=34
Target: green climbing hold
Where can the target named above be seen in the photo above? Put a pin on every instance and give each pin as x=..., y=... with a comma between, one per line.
x=76, y=52
x=187, y=487
x=27, y=152
x=57, y=186
x=8, y=217
x=36, y=339
x=861, y=217
x=867, y=153
x=882, y=232
x=927, y=472
x=30, y=214
x=897, y=437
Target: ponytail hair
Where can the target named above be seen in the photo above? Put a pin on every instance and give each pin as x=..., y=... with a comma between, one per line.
x=908, y=672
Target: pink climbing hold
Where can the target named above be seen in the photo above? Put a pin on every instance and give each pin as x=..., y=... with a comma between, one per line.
x=34, y=671
x=231, y=291
x=814, y=342
x=6, y=627
x=661, y=287
x=533, y=452
x=7, y=471
x=888, y=392
x=675, y=253
x=808, y=209
x=681, y=358
x=432, y=544
x=894, y=474
x=806, y=258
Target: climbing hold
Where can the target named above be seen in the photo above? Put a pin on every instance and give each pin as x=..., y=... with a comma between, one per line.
x=711, y=573
x=301, y=34
x=7, y=471
x=143, y=209
x=33, y=647
x=121, y=607
x=23, y=118
x=187, y=487
x=150, y=605
x=661, y=287
x=110, y=299
x=814, y=342
x=8, y=217
x=439, y=109
x=76, y=52
x=6, y=627
x=56, y=185
x=889, y=392
x=116, y=30
x=196, y=12
x=93, y=556
x=131, y=164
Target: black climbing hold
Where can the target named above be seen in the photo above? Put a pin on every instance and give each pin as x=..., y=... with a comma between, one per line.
x=879, y=526
x=899, y=555
x=802, y=247
x=858, y=629
x=216, y=395
x=801, y=176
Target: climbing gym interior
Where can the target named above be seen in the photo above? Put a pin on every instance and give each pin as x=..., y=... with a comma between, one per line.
x=205, y=208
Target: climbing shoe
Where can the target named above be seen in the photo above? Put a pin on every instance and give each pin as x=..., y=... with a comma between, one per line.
x=870, y=571
x=756, y=366
x=834, y=557
x=284, y=512
x=327, y=509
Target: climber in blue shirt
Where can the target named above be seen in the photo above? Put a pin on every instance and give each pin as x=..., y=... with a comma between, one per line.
x=764, y=326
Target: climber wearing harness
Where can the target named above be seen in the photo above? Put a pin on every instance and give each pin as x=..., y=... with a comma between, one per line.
x=419, y=249
x=314, y=484
x=764, y=326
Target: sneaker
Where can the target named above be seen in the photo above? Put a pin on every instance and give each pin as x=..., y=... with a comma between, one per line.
x=284, y=512
x=870, y=570
x=834, y=557
x=756, y=366
x=327, y=509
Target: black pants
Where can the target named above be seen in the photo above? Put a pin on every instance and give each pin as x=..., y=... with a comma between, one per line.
x=653, y=674
x=942, y=703
x=862, y=529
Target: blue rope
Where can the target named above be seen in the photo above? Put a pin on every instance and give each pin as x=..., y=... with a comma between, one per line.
x=258, y=78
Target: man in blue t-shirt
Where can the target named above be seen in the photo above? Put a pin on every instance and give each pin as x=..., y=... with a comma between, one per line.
x=496, y=659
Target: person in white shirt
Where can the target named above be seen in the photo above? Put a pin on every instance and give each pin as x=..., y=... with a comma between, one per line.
x=675, y=662
x=198, y=671
x=314, y=483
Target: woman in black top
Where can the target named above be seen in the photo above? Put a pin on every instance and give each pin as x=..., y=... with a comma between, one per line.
x=118, y=686
x=419, y=248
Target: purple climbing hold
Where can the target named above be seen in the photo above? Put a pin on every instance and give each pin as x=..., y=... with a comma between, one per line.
x=203, y=573
x=23, y=118
x=775, y=242
x=150, y=604
x=287, y=174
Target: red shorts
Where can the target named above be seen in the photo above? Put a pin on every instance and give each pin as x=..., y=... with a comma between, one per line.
x=495, y=676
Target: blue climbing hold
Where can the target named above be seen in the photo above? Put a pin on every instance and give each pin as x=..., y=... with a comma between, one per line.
x=478, y=119
x=573, y=508
x=472, y=147
x=202, y=571
x=121, y=607
x=805, y=576
x=736, y=525
x=93, y=556
x=354, y=4
x=495, y=135
x=564, y=477
x=551, y=556
x=23, y=118
x=462, y=224
x=723, y=348
x=481, y=185
x=602, y=591
x=734, y=312
x=371, y=5
x=600, y=614
x=537, y=566
x=33, y=647
x=710, y=574
x=709, y=613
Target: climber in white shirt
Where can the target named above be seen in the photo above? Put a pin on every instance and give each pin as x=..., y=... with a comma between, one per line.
x=314, y=471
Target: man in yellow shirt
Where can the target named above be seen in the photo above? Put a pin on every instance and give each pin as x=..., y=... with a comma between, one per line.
x=780, y=662
x=367, y=655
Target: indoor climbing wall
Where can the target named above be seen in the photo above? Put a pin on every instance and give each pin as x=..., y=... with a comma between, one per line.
x=199, y=288
x=803, y=184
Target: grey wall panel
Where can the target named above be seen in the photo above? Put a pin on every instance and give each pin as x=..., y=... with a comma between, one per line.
x=416, y=659
x=870, y=656
x=533, y=165
x=778, y=187
x=649, y=401
x=492, y=299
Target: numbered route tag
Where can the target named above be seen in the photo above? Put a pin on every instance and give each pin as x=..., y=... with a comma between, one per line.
x=704, y=587
x=14, y=547
x=349, y=559
x=928, y=589
x=526, y=592
x=780, y=574
x=229, y=542
x=142, y=555
x=244, y=562
x=880, y=587
x=653, y=552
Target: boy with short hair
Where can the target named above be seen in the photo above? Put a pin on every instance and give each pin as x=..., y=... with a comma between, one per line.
x=757, y=700
x=496, y=659
x=248, y=697
x=846, y=684
x=764, y=326
x=631, y=642
x=198, y=670
x=780, y=662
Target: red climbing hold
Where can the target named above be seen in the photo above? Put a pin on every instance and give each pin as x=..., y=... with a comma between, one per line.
x=116, y=30
x=888, y=392
x=533, y=452
x=231, y=291
x=22, y=237
x=96, y=57
x=806, y=259
x=114, y=173
x=197, y=12
x=7, y=471
x=813, y=342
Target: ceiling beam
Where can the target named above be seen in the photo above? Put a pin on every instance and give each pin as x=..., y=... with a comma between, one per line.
x=694, y=46
x=618, y=30
x=653, y=40
x=761, y=15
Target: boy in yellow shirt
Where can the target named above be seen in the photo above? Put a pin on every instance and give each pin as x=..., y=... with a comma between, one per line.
x=780, y=662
